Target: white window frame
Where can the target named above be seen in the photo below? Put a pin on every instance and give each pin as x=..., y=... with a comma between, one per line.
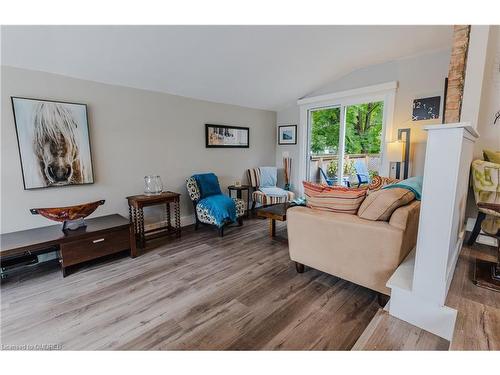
x=385, y=92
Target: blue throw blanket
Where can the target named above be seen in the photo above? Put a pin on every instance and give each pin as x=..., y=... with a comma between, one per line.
x=268, y=179
x=208, y=184
x=413, y=184
x=221, y=207
x=273, y=191
x=268, y=176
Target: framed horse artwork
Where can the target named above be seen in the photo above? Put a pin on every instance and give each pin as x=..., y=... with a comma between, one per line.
x=54, y=143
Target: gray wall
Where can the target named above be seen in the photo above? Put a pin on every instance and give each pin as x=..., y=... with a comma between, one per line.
x=418, y=77
x=133, y=133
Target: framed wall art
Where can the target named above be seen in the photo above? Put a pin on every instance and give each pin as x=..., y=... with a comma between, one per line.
x=54, y=143
x=426, y=108
x=287, y=135
x=219, y=136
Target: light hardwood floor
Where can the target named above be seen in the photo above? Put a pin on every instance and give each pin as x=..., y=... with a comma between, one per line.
x=478, y=318
x=198, y=292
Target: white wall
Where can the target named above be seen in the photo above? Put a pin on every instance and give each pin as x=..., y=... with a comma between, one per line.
x=288, y=116
x=133, y=133
x=418, y=77
x=490, y=97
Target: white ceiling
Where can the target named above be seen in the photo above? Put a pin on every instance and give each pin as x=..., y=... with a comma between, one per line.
x=254, y=66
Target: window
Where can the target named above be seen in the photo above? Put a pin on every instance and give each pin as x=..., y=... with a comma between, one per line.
x=345, y=135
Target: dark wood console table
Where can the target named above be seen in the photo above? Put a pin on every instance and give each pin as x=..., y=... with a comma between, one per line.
x=102, y=236
x=136, y=204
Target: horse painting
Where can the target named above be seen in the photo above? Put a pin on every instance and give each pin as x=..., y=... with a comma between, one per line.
x=55, y=145
x=54, y=132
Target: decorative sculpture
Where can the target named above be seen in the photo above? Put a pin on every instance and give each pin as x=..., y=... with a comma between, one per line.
x=72, y=217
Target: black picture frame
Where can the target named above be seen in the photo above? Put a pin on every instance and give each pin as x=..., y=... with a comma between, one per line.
x=281, y=141
x=91, y=162
x=210, y=144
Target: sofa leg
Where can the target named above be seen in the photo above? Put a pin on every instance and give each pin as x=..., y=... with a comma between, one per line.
x=299, y=267
x=221, y=232
x=477, y=228
x=382, y=299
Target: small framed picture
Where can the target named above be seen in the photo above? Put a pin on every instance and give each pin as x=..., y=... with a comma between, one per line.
x=218, y=136
x=426, y=108
x=287, y=135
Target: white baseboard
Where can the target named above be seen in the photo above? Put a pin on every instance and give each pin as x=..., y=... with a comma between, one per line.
x=482, y=239
x=423, y=313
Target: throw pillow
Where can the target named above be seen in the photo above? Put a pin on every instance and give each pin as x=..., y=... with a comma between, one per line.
x=380, y=204
x=378, y=182
x=333, y=198
x=491, y=156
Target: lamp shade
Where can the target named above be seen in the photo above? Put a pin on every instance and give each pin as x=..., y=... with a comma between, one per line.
x=395, y=151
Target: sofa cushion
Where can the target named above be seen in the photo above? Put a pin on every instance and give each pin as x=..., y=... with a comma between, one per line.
x=491, y=156
x=333, y=198
x=380, y=204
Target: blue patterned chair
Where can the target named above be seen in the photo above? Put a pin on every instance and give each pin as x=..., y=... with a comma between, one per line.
x=202, y=214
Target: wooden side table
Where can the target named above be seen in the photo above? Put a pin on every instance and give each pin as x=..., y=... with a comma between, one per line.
x=238, y=190
x=136, y=204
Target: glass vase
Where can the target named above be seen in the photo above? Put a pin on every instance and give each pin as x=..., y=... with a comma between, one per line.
x=152, y=185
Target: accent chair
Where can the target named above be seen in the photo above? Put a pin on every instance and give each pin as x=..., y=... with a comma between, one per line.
x=201, y=212
x=261, y=198
x=486, y=186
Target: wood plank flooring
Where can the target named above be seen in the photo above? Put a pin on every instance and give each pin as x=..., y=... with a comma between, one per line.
x=238, y=292
x=478, y=319
x=386, y=332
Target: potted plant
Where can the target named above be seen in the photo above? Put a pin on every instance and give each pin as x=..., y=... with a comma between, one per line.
x=333, y=166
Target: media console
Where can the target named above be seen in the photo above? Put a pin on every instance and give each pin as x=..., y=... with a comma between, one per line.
x=101, y=236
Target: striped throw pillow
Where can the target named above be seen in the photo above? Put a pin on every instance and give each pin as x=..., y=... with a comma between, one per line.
x=333, y=198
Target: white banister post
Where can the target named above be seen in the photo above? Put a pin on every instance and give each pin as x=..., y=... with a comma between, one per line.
x=420, y=299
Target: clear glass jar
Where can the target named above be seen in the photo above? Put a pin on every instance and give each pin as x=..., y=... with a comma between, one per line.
x=152, y=185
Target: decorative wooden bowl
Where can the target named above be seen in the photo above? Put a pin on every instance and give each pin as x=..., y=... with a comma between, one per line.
x=68, y=214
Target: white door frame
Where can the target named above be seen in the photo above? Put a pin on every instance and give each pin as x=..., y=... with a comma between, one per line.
x=385, y=92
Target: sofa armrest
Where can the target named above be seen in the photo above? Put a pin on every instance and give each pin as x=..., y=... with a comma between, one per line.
x=406, y=215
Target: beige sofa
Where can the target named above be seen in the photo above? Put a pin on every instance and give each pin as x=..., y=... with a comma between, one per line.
x=362, y=251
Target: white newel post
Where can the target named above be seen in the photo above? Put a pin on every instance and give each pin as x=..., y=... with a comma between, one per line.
x=420, y=285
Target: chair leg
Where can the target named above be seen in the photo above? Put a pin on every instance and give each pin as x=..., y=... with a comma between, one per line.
x=240, y=221
x=253, y=205
x=196, y=224
x=477, y=228
x=299, y=267
x=221, y=232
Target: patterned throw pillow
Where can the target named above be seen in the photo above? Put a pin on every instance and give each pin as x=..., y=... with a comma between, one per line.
x=333, y=198
x=378, y=182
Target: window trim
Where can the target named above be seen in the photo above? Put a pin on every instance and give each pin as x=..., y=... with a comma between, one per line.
x=385, y=92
